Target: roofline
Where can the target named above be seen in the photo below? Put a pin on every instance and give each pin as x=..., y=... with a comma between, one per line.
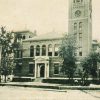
x=42, y=39
x=23, y=31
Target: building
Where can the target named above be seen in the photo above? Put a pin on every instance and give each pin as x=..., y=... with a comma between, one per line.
x=19, y=36
x=80, y=24
x=40, y=56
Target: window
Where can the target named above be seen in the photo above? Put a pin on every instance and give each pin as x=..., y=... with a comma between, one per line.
x=80, y=39
x=75, y=36
x=31, y=51
x=56, y=48
x=30, y=37
x=19, y=53
x=75, y=26
x=56, y=68
x=44, y=50
x=80, y=25
x=77, y=0
x=80, y=51
x=37, y=50
x=31, y=68
x=49, y=50
x=19, y=67
x=24, y=37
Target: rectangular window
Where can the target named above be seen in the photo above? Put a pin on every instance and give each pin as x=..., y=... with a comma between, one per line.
x=56, y=68
x=19, y=67
x=80, y=51
x=19, y=53
x=56, y=53
x=31, y=68
x=49, y=53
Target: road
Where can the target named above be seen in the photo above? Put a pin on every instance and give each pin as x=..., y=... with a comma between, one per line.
x=21, y=93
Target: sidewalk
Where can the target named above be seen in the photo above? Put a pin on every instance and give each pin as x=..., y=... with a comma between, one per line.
x=50, y=86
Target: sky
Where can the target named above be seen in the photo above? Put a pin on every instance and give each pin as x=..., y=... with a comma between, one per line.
x=42, y=15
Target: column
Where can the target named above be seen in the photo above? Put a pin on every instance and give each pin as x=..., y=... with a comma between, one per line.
x=53, y=50
x=34, y=51
x=45, y=72
x=35, y=70
x=40, y=50
x=38, y=70
x=46, y=50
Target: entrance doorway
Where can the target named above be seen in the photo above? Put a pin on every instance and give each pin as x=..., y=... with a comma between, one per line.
x=42, y=70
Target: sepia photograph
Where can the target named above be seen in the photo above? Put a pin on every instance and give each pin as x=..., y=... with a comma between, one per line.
x=49, y=50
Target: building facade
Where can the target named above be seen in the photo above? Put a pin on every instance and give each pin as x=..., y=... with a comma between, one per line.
x=40, y=57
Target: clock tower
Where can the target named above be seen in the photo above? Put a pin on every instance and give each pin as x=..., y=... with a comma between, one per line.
x=80, y=25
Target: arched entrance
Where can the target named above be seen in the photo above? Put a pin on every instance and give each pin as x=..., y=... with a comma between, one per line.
x=41, y=67
x=42, y=70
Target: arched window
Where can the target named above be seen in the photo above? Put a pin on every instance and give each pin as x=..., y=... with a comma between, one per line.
x=80, y=39
x=81, y=0
x=44, y=50
x=56, y=48
x=75, y=26
x=49, y=50
x=74, y=1
x=75, y=36
x=80, y=25
x=24, y=37
x=31, y=51
x=78, y=0
x=37, y=50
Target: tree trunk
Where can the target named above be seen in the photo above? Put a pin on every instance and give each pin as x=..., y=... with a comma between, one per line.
x=5, y=78
x=0, y=78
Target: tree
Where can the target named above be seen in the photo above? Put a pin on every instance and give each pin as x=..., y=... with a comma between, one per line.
x=6, y=40
x=89, y=65
x=67, y=52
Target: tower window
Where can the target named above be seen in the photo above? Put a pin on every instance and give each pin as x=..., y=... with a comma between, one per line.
x=77, y=0
x=80, y=39
x=80, y=25
x=80, y=51
x=75, y=26
x=75, y=36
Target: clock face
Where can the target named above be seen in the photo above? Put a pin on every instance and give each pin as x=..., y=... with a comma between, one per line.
x=77, y=13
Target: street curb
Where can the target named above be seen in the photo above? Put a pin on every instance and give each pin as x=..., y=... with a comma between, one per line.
x=32, y=86
x=54, y=87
